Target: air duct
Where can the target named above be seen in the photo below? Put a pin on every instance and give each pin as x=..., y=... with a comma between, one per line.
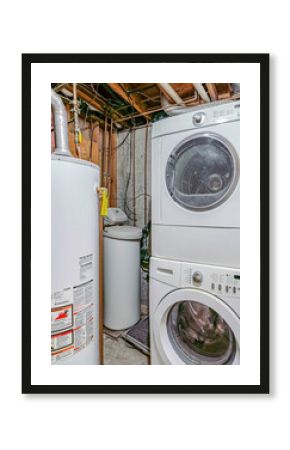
x=60, y=125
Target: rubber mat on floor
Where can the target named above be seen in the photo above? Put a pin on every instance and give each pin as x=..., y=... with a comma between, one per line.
x=138, y=336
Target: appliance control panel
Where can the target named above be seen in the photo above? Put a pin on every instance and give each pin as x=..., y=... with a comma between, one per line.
x=226, y=112
x=225, y=282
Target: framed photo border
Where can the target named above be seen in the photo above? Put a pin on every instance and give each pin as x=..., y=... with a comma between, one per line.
x=217, y=58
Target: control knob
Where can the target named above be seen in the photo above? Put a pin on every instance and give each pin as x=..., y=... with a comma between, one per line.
x=198, y=119
x=197, y=278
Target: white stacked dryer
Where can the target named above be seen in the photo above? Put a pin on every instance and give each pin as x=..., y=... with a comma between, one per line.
x=194, y=269
x=195, y=186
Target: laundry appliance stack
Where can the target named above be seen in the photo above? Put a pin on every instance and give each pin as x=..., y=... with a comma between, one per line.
x=195, y=264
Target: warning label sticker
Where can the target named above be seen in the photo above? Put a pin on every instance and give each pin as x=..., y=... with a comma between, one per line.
x=83, y=335
x=61, y=318
x=62, y=340
x=83, y=316
x=56, y=356
x=86, y=266
x=72, y=320
x=60, y=298
x=83, y=295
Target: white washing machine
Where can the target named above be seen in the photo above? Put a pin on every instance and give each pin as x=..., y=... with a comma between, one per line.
x=194, y=313
x=195, y=183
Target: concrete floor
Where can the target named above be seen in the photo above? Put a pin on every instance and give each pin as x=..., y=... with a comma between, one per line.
x=119, y=352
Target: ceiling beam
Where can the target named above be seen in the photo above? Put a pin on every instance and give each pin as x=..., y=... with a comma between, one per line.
x=211, y=88
x=87, y=98
x=129, y=99
x=93, y=102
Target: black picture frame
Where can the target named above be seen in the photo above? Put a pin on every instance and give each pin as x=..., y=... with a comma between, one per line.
x=27, y=61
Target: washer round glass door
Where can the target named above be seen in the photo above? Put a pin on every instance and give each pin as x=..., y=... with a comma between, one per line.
x=195, y=327
x=202, y=171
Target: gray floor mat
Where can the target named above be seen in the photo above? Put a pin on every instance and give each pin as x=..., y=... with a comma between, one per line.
x=139, y=336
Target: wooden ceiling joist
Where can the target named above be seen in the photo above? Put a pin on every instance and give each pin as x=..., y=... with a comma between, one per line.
x=211, y=88
x=93, y=102
x=142, y=101
x=87, y=98
x=120, y=91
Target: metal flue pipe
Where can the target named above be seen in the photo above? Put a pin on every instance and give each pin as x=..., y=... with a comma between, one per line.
x=60, y=125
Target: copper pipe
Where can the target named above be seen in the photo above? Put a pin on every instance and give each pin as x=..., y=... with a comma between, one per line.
x=103, y=154
x=148, y=124
x=110, y=161
x=76, y=121
x=145, y=174
x=192, y=100
x=101, y=287
x=133, y=177
x=105, y=171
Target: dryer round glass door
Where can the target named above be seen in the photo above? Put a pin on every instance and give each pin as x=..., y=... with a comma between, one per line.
x=202, y=172
x=195, y=327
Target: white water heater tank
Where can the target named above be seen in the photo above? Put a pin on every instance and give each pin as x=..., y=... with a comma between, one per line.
x=74, y=261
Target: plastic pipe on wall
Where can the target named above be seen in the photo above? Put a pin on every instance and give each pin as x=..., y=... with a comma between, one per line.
x=172, y=93
x=201, y=92
x=174, y=110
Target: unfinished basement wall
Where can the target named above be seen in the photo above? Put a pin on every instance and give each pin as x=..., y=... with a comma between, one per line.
x=131, y=154
x=93, y=149
x=92, y=139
